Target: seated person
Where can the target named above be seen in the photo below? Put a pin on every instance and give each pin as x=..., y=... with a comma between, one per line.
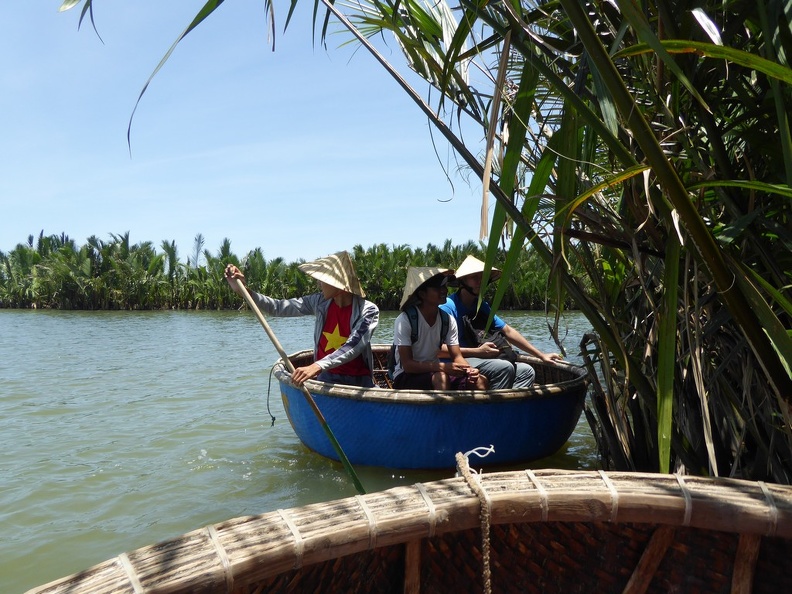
x=345, y=321
x=417, y=366
x=484, y=357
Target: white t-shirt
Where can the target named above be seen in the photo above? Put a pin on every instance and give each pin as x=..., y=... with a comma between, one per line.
x=425, y=348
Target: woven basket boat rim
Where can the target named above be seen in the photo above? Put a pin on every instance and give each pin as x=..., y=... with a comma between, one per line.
x=305, y=535
x=577, y=382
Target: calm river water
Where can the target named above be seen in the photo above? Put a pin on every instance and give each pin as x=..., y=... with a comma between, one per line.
x=121, y=429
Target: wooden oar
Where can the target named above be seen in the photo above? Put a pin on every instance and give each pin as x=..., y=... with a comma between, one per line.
x=290, y=368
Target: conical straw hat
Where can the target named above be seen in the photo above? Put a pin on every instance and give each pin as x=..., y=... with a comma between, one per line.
x=336, y=270
x=418, y=275
x=473, y=265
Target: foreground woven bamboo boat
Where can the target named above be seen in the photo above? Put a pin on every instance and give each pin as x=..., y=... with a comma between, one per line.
x=521, y=531
x=425, y=429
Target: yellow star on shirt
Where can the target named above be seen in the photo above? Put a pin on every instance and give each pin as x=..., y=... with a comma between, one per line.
x=334, y=340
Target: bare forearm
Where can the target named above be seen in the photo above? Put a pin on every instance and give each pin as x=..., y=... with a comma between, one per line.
x=484, y=351
x=522, y=343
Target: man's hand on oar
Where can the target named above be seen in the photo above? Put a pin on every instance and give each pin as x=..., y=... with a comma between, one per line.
x=233, y=274
x=302, y=374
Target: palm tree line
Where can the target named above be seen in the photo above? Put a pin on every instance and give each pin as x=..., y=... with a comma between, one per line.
x=53, y=272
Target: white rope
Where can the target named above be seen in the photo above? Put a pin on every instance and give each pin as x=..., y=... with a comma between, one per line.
x=130, y=571
x=614, y=495
x=481, y=452
x=688, y=500
x=371, y=522
x=543, y=501
x=432, y=509
x=773, y=509
x=299, y=543
x=221, y=552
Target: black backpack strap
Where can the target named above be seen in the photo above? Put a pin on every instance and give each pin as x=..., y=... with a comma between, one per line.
x=444, y=323
x=412, y=315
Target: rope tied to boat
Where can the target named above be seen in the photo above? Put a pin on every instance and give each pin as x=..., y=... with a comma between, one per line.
x=269, y=387
x=372, y=522
x=688, y=499
x=431, y=506
x=299, y=543
x=481, y=452
x=137, y=587
x=214, y=538
x=773, y=509
x=543, y=500
x=474, y=482
x=613, y=493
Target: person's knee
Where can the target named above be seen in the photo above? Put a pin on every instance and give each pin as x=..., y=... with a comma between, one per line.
x=510, y=370
x=499, y=373
x=525, y=376
x=440, y=381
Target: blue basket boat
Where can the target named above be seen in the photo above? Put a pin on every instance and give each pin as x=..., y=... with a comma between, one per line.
x=425, y=429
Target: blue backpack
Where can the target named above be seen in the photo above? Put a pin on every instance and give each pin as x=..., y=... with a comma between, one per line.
x=412, y=315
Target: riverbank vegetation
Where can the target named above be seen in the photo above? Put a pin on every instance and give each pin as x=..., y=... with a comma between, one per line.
x=54, y=272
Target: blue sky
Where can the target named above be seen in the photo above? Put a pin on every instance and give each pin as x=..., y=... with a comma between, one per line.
x=301, y=151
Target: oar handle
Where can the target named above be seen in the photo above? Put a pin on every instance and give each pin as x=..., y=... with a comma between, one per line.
x=242, y=290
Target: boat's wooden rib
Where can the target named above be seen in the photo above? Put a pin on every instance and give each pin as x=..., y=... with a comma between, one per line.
x=650, y=560
x=550, y=531
x=745, y=563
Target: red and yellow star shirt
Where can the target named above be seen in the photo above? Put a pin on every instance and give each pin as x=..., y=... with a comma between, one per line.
x=336, y=331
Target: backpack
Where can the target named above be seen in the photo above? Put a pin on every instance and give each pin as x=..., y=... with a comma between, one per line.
x=473, y=330
x=412, y=315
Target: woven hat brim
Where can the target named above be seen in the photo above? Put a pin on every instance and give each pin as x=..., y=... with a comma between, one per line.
x=336, y=270
x=473, y=265
x=418, y=275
